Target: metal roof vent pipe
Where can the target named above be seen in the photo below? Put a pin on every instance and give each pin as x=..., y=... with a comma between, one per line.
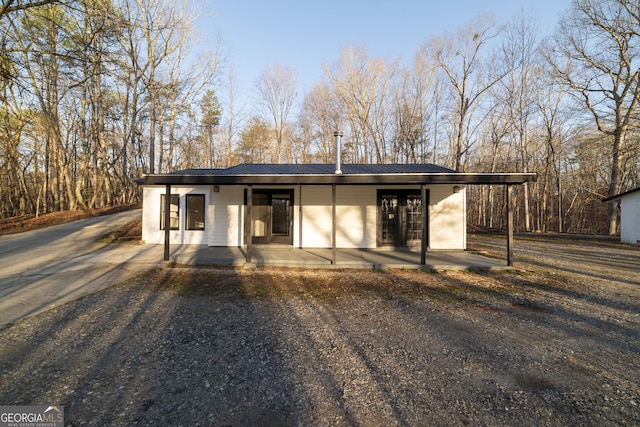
x=338, y=136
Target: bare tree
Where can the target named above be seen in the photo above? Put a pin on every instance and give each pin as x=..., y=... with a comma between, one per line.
x=160, y=22
x=40, y=38
x=321, y=114
x=416, y=97
x=231, y=120
x=517, y=91
x=276, y=94
x=185, y=85
x=459, y=56
x=554, y=114
x=82, y=85
x=601, y=41
x=364, y=86
x=128, y=89
x=493, y=154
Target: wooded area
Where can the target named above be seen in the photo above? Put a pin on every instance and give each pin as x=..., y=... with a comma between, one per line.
x=96, y=93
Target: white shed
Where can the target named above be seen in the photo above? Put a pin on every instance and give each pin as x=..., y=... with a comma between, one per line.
x=629, y=215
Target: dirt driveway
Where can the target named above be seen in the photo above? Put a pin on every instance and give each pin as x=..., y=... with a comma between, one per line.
x=587, y=258
x=556, y=342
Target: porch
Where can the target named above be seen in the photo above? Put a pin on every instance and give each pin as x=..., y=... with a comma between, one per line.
x=287, y=256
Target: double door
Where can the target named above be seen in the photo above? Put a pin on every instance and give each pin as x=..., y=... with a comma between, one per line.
x=400, y=218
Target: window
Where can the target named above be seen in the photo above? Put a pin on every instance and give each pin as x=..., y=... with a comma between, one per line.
x=174, y=212
x=195, y=212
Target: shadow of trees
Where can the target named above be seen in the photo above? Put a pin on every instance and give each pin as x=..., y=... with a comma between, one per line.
x=203, y=346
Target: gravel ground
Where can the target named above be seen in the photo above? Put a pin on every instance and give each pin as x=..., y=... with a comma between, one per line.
x=551, y=343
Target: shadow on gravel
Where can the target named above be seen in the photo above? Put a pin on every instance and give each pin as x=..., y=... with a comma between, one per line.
x=588, y=260
x=82, y=351
x=633, y=266
x=224, y=347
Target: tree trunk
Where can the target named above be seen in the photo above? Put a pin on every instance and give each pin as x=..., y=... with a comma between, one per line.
x=614, y=185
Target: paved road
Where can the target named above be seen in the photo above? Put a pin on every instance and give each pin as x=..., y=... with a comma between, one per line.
x=44, y=268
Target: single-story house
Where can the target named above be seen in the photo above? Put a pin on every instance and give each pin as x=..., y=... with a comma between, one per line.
x=629, y=215
x=313, y=206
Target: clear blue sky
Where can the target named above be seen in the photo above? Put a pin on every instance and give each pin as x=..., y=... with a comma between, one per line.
x=304, y=35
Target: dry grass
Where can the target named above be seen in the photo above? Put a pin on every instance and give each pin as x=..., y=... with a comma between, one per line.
x=481, y=289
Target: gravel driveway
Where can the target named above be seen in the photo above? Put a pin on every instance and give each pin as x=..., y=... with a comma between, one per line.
x=190, y=346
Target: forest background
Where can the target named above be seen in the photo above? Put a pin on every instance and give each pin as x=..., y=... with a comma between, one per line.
x=97, y=93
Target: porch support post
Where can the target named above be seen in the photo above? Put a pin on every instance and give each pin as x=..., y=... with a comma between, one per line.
x=424, y=202
x=247, y=223
x=167, y=221
x=300, y=216
x=333, y=224
x=509, y=226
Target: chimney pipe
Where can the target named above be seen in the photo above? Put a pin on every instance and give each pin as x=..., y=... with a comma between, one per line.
x=338, y=135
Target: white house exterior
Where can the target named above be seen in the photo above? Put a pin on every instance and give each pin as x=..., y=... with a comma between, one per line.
x=309, y=219
x=629, y=216
x=313, y=206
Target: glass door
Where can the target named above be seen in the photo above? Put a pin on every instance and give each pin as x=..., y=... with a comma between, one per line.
x=389, y=220
x=281, y=219
x=400, y=218
x=413, y=229
x=271, y=217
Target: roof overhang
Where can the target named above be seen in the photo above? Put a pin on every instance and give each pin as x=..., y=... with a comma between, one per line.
x=621, y=195
x=341, y=179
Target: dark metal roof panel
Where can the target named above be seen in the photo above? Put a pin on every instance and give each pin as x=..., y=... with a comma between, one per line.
x=317, y=169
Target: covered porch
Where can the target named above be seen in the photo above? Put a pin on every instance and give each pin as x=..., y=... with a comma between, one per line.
x=421, y=178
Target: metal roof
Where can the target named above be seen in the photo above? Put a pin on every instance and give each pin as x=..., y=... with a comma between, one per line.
x=319, y=174
x=318, y=169
x=621, y=195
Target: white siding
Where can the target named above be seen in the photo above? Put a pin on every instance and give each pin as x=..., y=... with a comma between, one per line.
x=637, y=220
x=355, y=213
x=356, y=217
x=151, y=200
x=316, y=216
x=227, y=212
x=630, y=218
x=447, y=218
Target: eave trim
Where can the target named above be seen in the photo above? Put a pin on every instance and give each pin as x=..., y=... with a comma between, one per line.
x=344, y=179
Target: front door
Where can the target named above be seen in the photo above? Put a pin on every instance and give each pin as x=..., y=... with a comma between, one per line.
x=400, y=218
x=271, y=217
x=281, y=219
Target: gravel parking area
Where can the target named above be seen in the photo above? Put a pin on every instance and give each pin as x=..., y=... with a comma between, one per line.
x=546, y=345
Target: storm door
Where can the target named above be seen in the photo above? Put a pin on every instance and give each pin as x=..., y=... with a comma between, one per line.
x=272, y=217
x=399, y=218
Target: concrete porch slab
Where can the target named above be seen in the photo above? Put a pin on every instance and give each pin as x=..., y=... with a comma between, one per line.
x=286, y=256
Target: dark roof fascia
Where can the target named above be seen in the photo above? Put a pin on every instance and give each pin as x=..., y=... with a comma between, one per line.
x=621, y=195
x=341, y=179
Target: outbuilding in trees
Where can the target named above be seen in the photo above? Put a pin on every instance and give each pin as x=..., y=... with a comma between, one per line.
x=629, y=215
